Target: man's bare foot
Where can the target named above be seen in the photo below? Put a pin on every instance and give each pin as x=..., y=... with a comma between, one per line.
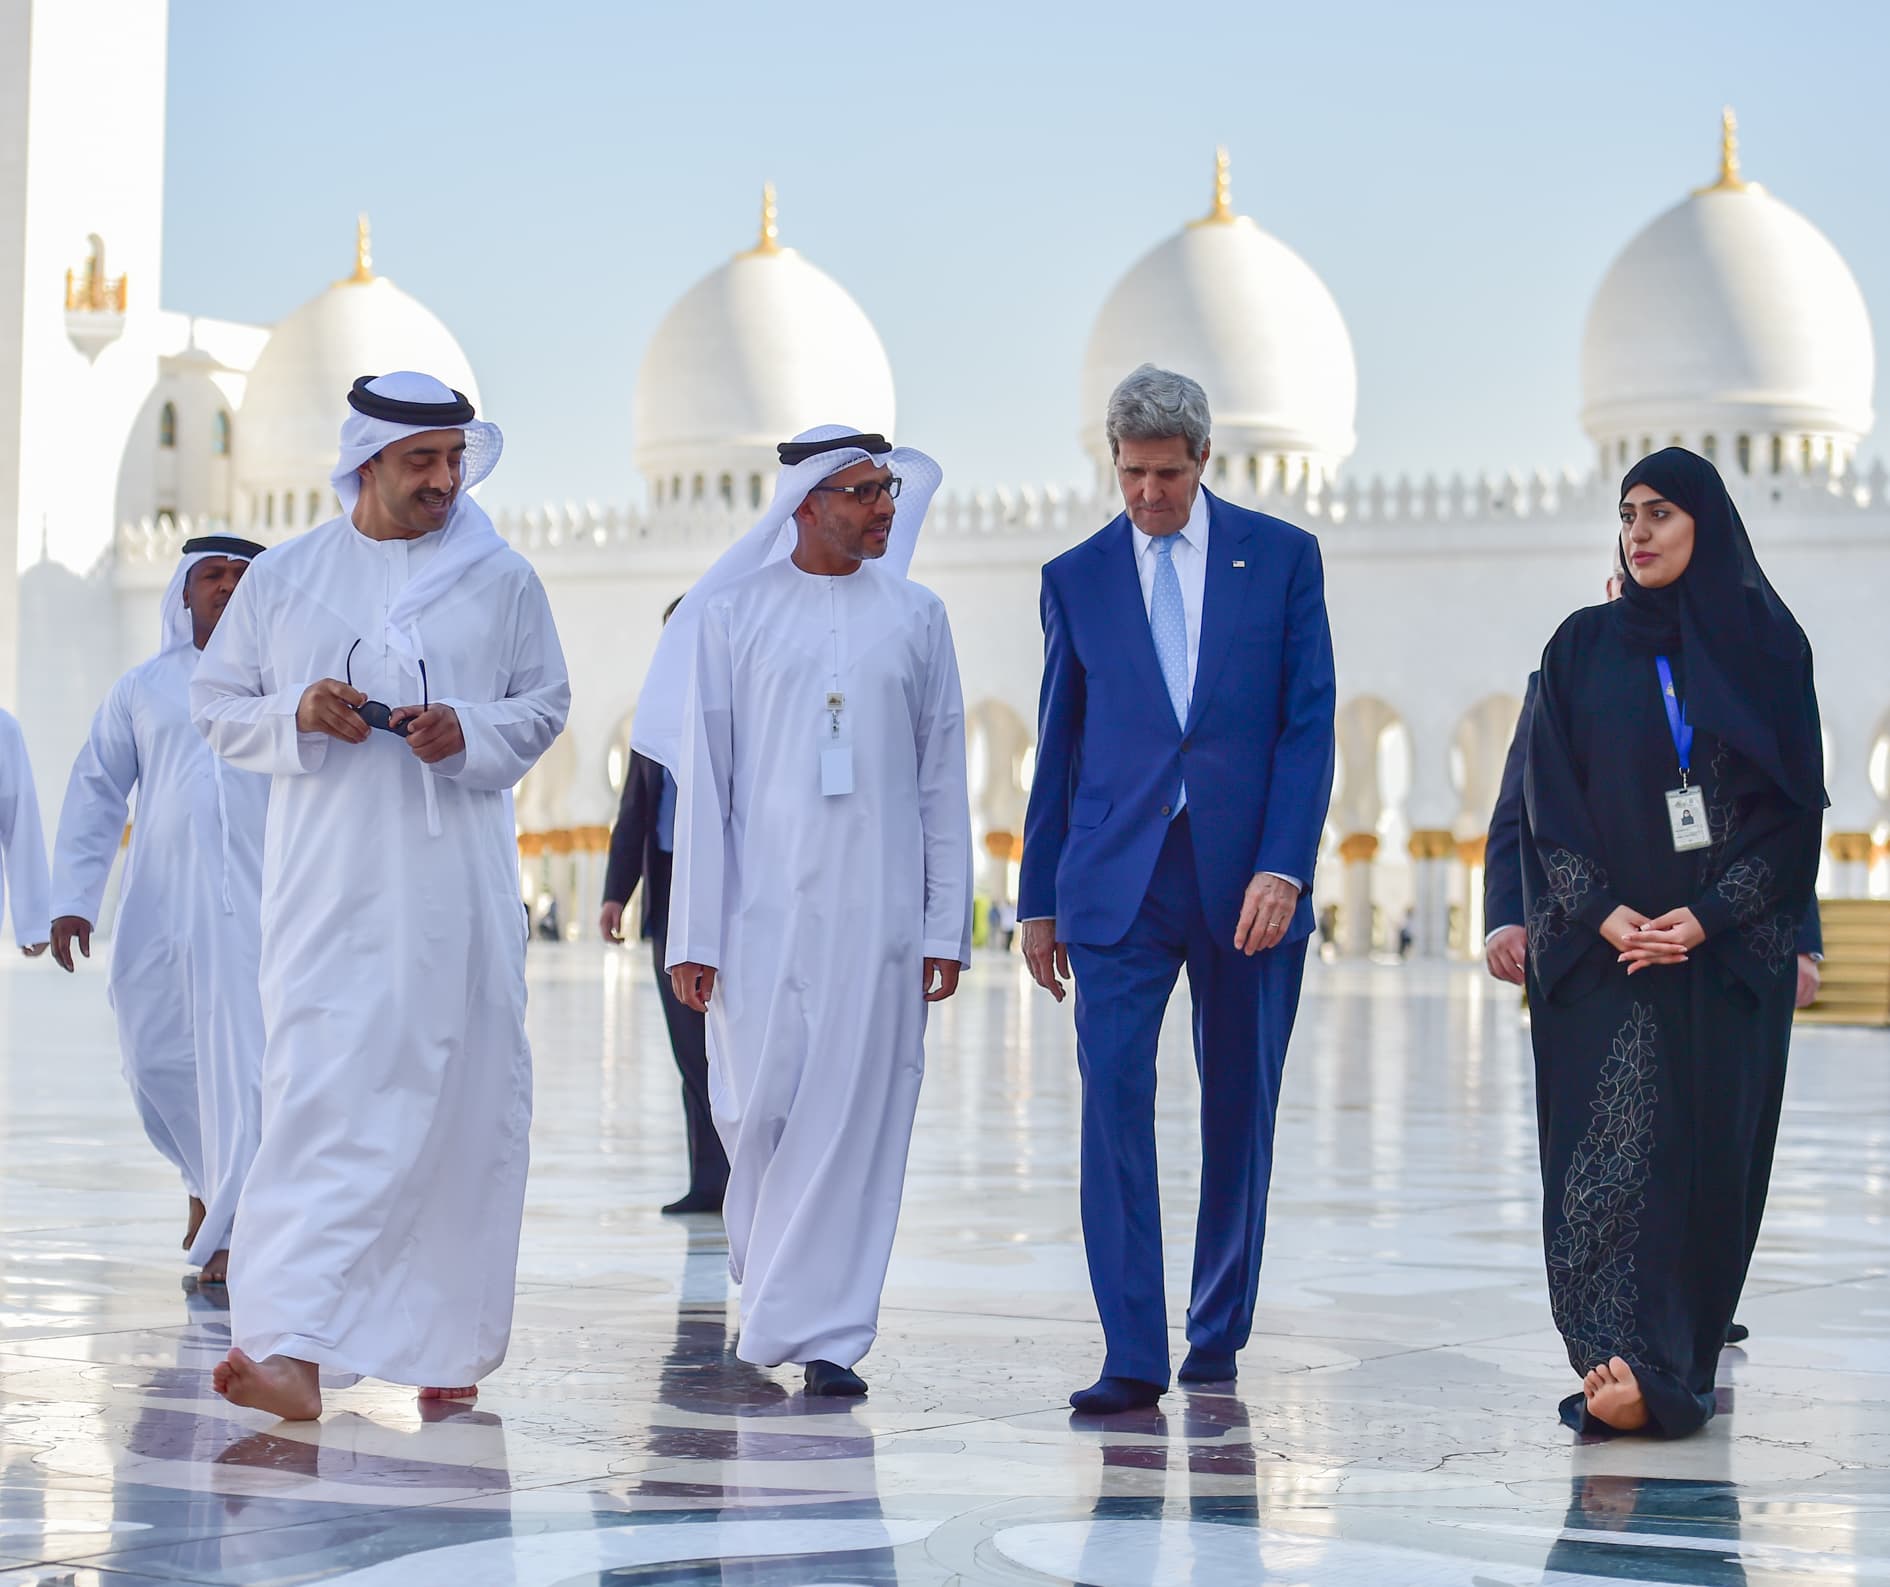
x=216, y=1270
x=1614, y=1396
x=469, y=1393
x=194, y=1223
x=290, y=1388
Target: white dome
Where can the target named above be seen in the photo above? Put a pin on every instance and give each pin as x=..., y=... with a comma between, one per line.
x=1731, y=315
x=288, y=427
x=756, y=351
x=1239, y=311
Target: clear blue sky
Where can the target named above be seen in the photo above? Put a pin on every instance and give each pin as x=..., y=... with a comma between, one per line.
x=550, y=177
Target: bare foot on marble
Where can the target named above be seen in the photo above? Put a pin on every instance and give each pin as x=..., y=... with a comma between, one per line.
x=287, y=1387
x=471, y=1392
x=216, y=1270
x=1614, y=1396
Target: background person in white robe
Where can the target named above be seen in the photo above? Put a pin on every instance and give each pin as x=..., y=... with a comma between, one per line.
x=27, y=887
x=821, y=897
x=183, y=983
x=378, y=1232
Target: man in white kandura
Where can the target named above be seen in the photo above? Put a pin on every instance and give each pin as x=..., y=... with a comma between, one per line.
x=822, y=887
x=27, y=886
x=378, y=1233
x=184, y=951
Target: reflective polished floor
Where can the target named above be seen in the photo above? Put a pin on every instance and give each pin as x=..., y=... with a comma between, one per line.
x=1395, y=1416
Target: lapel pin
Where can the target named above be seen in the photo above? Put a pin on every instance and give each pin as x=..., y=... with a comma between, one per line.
x=1239, y=562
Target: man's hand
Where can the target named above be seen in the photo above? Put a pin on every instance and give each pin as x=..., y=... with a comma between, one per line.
x=326, y=708
x=693, y=984
x=1810, y=978
x=64, y=929
x=1666, y=940
x=1048, y=959
x=610, y=921
x=433, y=731
x=946, y=973
x=33, y=950
x=1265, y=914
x=1503, y=953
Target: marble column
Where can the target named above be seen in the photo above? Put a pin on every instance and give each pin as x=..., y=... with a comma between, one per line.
x=1850, y=864
x=1431, y=850
x=1470, y=854
x=1356, y=852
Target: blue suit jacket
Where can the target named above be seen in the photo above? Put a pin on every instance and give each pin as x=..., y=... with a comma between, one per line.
x=1502, y=851
x=1257, y=750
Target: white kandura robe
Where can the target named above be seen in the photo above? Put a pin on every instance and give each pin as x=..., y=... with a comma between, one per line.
x=818, y=913
x=28, y=887
x=184, y=967
x=378, y=1233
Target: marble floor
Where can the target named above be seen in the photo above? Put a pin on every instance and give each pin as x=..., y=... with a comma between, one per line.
x=1394, y=1422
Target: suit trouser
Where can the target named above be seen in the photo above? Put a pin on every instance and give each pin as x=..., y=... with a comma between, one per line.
x=1243, y=1017
x=689, y=1042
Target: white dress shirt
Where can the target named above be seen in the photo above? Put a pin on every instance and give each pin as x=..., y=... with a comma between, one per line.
x=1190, y=558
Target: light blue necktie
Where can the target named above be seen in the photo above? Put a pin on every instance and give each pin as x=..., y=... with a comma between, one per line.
x=1168, y=622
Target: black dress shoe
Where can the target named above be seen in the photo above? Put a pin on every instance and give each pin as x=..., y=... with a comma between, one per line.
x=1207, y=1366
x=1112, y=1396
x=823, y=1377
x=695, y=1201
x=1737, y=1333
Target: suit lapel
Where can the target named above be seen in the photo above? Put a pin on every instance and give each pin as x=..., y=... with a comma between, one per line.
x=1222, y=600
x=1124, y=610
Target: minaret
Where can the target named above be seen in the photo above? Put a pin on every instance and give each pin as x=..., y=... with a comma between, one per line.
x=86, y=150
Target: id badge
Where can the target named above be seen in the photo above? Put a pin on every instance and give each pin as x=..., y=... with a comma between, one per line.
x=836, y=749
x=1686, y=813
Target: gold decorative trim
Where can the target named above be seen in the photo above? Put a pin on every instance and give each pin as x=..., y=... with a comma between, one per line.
x=769, y=241
x=1730, y=181
x=1849, y=848
x=1358, y=846
x=363, y=256
x=1221, y=213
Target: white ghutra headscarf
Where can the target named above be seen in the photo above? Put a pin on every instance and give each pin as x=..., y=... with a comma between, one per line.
x=389, y=408
x=656, y=729
x=174, y=623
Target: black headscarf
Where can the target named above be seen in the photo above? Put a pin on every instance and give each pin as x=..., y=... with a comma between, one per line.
x=1747, y=663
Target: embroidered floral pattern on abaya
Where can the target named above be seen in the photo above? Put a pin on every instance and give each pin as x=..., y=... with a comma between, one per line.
x=1591, y=1263
x=1569, y=879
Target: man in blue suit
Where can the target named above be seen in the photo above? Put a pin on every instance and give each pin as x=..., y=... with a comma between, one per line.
x=1184, y=766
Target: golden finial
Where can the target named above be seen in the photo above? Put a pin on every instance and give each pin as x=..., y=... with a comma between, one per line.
x=1730, y=181
x=770, y=238
x=363, y=253
x=1222, y=213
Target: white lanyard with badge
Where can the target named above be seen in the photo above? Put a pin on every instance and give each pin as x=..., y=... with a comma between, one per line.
x=1686, y=805
x=836, y=732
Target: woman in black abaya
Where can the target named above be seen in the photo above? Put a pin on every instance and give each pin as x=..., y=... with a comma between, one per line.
x=1670, y=857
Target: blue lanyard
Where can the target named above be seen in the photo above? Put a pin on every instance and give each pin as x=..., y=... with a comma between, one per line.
x=1677, y=722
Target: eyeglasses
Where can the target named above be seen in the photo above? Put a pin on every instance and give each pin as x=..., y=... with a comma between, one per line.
x=373, y=712
x=868, y=492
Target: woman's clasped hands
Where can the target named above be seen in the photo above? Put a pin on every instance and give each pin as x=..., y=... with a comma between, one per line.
x=1643, y=941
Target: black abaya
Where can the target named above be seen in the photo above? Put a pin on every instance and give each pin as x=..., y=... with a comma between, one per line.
x=1658, y=1094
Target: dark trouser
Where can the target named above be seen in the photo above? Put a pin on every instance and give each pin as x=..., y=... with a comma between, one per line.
x=689, y=1041
x=1243, y=1016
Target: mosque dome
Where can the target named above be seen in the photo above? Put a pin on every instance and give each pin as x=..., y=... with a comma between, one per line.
x=296, y=396
x=763, y=347
x=1733, y=326
x=1236, y=309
